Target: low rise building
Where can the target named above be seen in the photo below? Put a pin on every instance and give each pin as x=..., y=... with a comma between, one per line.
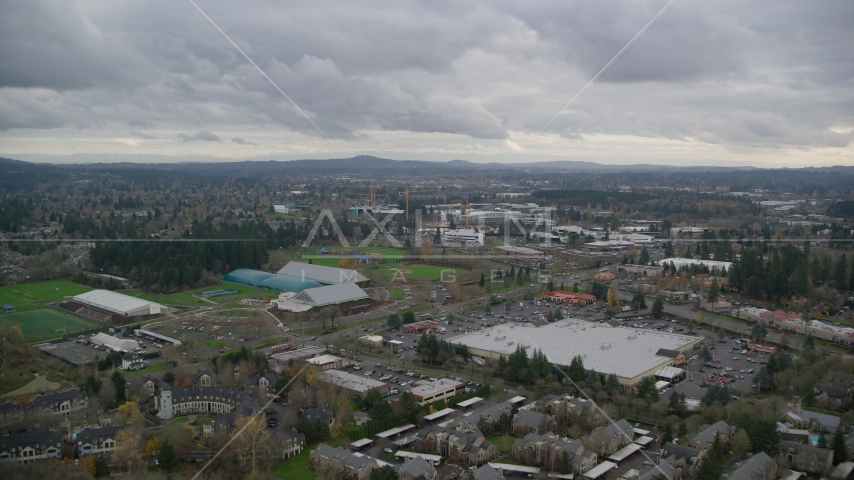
x=805, y=458
x=96, y=441
x=683, y=458
x=355, y=384
x=326, y=362
x=529, y=421
x=758, y=467
x=338, y=462
x=608, y=439
x=429, y=391
x=215, y=400
x=547, y=451
x=30, y=447
x=640, y=270
x=61, y=403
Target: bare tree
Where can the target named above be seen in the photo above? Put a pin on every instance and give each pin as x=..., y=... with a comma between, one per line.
x=251, y=441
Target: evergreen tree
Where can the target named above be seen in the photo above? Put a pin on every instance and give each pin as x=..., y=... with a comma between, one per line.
x=577, y=373
x=763, y=435
x=762, y=378
x=612, y=386
x=482, y=281
x=658, y=308
x=167, y=459
x=822, y=441
x=809, y=342
x=667, y=435
x=840, y=273
x=119, y=383
x=101, y=469
x=683, y=431
x=711, y=463
x=840, y=451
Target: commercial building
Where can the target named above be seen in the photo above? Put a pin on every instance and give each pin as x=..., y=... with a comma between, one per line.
x=321, y=274
x=571, y=298
x=330, y=295
x=357, y=384
x=114, y=343
x=524, y=253
x=640, y=270
x=429, y=391
x=465, y=236
x=326, y=362
x=117, y=304
x=629, y=353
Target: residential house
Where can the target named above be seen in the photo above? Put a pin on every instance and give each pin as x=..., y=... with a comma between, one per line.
x=417, y=468
x=338, y=462
x=466, y=447
x=153, y=385
x=529, y=421
x=469, y=448
x=206, y=378
x=653, y=472
x=683, y=458
x=704, y=439
x=10, y=413
x=485, y=472
x=62, y=403
x=571, y=409
x=827, y=395
x=96, y=441
x=805, y=458
x=815, y=421
x=490, y=416
x=30, y=447
x=607, y=440
x=266, y=383
x=293, y=441
x=547, y=451
x=757, y=467
x=361, y=418
x=320, y=413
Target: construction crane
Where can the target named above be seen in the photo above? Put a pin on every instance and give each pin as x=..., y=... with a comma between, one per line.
x=406, y=193
x=465, y=207
x=372, y=196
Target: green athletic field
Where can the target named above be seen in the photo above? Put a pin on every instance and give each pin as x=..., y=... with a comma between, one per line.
x=41, y=324
x=47, y=291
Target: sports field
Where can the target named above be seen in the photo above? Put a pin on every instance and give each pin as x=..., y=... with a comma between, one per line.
x=392, y=272
x=42, y=324
x=37, y=292
x=244, y=291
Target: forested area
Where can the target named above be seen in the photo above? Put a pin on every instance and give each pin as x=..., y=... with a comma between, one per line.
x=779, y=272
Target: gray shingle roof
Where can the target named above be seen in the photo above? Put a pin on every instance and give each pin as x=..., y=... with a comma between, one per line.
x=418, y=466
x=754, y=468
x=30, y=438
x=93, y=434
x=52, y=398
x=679, y=452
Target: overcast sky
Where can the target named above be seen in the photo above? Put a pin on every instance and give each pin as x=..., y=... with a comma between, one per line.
x=765, y=83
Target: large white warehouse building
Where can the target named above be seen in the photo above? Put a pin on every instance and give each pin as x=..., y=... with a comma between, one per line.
x=117, y=304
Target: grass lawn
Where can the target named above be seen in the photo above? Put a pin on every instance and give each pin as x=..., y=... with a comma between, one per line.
x=41, y=324
x=179, y=420
x=215, y=343
x=149, y=369
x=397, y=293
x=503, y=443
x=295, y=468
x=156, y=298
x=419, y=272
x=47, y=291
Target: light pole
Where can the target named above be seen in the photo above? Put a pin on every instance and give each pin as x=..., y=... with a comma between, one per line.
x=28, y=286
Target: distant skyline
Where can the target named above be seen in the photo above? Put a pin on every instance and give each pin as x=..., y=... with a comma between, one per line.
x=765, y=83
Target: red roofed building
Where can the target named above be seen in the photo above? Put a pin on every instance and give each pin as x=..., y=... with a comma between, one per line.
x=571, y=298
x=779, y=316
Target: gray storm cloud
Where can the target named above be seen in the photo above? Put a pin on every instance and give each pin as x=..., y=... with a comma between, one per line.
x=759, y=74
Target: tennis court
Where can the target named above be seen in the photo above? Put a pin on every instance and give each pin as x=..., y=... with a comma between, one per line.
x=42, y=324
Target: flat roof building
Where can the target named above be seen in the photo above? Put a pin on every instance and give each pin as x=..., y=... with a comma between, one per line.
x=629, y=353
x=358, y=384
x=326, y=362
x=117, y=304
x=429, y=391
x=114, y=343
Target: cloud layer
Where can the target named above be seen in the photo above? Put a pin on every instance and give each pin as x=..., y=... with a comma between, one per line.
x=764, y=76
